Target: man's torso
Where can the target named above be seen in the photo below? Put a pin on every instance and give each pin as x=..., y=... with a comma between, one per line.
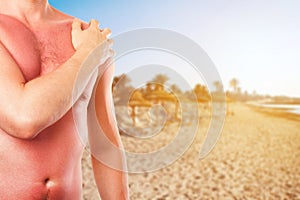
x=47, y=167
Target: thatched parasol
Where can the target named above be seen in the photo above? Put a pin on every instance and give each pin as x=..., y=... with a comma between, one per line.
x=137, y=100
x=203, y=99
x=159, y=96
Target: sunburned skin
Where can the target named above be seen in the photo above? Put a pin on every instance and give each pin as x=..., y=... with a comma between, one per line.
x=49, y=166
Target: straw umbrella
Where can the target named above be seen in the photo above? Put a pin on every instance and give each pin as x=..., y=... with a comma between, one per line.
x=159, y=95
x=137, y=100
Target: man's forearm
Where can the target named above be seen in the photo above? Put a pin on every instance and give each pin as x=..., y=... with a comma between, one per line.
x=44, y=100
x=108, y=158
x=28, y=108
x=62, y=87
x=112, y=183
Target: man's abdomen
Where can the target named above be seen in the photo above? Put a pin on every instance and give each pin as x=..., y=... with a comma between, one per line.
x=47, y=167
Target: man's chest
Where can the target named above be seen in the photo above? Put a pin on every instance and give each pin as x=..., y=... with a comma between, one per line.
x=55, y=47
x=38, y=51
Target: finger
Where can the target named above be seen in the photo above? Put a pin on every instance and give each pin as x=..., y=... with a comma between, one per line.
x=94, y=24
x=110, y=42
x=76, y=25
x=111, y=53
x=106, y=32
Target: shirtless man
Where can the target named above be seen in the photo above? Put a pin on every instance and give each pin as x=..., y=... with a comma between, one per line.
x=43, y=56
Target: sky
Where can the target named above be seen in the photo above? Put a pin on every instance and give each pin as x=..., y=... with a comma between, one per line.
x=257, y=42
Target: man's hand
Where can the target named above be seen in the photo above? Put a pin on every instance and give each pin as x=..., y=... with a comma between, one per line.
x=92, y=40
x=23, y=113
x=91, y=37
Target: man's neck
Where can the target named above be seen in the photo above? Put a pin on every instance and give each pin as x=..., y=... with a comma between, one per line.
x=28, y=11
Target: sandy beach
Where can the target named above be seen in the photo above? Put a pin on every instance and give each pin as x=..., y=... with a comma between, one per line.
x=256, y=157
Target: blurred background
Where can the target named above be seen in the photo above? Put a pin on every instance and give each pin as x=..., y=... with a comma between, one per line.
x=255, y=46
x=254, y=41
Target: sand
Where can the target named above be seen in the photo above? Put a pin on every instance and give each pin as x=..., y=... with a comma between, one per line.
x=257, y=157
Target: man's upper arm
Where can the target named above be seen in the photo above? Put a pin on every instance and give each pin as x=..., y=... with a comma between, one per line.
x=11, y=83
x=104, y=105
x=11, y=75
x=103, y=130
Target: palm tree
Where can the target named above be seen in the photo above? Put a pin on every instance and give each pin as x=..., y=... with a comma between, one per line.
x=175, y=89
x=218, y=85
x=201, y=93
x=161, y=79
x=122, y=81
x=234, y=84
x=121, y=89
